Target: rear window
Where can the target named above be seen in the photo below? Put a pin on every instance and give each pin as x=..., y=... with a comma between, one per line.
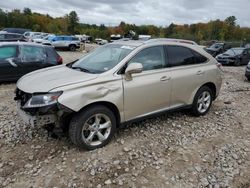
x=8, y=52
x=32, y=53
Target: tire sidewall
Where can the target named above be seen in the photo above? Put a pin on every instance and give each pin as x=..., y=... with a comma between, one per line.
x=195, y=110
x=72, y=47
x=79, y=121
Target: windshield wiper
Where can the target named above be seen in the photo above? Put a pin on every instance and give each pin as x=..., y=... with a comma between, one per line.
x=81, y=69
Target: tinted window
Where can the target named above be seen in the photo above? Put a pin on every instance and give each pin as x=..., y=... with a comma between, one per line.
x=180, y=56
x=12, y=36
x=150, y=58
x=199, y=58
x=58, y=38
x=52, y=55
x=32, y=54
x=8, y=52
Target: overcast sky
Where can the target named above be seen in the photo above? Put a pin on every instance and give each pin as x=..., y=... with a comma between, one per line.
x=157, y=12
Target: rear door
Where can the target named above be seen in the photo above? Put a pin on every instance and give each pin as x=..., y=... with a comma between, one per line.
x=9, y=67
x=33, y=57
x=188, y=72
x=58, y=42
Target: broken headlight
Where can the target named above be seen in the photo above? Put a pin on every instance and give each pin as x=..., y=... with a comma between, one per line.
x=41, y=100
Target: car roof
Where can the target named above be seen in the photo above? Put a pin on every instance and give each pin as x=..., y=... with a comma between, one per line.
x=137, y=43
x=22, y=43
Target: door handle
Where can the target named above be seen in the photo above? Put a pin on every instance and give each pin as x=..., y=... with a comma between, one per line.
x=11, y=61
x=200, y=72
x=165, y=78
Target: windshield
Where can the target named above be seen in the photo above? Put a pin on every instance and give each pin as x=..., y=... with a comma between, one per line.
x=103, y=58
x=234, y=51
x=216, y=46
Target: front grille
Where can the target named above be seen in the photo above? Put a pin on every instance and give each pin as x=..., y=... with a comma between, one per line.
x=22, y=96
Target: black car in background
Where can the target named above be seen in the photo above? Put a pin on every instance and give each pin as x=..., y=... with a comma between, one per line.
x=16, y=30
x=217, y=48
x=247, y=74
x=20, y=58
x=8, y=37
x=234, y=56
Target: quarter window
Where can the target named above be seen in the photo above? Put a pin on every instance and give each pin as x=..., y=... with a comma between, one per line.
x=150, y=58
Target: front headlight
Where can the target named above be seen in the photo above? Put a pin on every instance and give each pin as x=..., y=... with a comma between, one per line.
x=41, y=100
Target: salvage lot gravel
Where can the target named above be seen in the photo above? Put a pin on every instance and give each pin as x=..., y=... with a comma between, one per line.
x=172, y=150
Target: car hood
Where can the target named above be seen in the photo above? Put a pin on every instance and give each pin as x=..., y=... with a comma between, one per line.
x=47, y=79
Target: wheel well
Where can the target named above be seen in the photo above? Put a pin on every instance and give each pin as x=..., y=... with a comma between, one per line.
x=110, y=106
x=213, y=89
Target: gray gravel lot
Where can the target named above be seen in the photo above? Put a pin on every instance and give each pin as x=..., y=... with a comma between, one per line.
x=172, y=150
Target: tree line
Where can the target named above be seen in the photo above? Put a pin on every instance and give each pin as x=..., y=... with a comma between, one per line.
x=221, y=30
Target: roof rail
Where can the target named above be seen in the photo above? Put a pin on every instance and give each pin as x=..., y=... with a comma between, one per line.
x=172, y=40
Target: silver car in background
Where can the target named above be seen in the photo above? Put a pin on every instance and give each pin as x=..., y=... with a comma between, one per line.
x=119, y=83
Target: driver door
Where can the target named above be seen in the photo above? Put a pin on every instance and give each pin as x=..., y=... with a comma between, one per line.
x=148, y=92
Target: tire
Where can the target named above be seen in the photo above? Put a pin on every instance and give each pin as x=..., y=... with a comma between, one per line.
x=85, y=127
x=202, y=101
x=72, y=47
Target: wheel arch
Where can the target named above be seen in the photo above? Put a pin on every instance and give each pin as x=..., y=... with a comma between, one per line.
x=210, y=85
x=108, y=105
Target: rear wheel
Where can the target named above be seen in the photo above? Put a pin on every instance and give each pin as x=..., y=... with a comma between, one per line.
x=72, y=47
x=202, y=101
x=92, y=128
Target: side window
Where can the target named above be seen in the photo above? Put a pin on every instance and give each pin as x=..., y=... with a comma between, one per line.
x=179, y=56
x=32, y=54
x=150, y=58
x=8, y=52
x=2, y=36
x=199, y=58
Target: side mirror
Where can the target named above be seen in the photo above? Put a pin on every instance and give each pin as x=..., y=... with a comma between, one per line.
x=132, y=69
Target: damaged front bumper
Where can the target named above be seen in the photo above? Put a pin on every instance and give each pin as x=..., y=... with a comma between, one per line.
x=36, y=119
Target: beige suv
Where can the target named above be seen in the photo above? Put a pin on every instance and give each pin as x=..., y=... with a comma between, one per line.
x=116, y=84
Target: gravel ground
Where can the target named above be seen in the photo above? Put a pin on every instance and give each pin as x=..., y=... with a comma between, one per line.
x=173, y=150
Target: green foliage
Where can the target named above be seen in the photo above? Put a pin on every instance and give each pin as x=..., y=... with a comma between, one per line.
x=226, y=30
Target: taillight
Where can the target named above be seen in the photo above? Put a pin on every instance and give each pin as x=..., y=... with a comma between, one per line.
x=59, y=60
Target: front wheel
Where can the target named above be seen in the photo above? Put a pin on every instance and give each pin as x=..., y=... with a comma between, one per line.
x=202, y=101
x=92, y=128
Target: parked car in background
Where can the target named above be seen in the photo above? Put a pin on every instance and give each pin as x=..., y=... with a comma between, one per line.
x=20, y=58
x=7, y=37
x=119, y=83
x=16, y=30
x=218, y=48
x=43, y=39
x=32, y=35
x=247, y=74
x=65, y=42
x=234, y=56
x=100, y=41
